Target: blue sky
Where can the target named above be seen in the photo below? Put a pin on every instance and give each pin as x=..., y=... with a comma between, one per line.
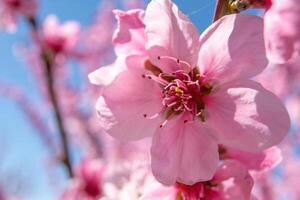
x=22, y=149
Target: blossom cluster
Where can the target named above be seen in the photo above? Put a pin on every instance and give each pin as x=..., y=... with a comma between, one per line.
x=180, y=115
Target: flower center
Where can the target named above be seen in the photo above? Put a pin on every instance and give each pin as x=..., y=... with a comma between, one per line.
x=183, y=93
x=198, y=191
x=183, y=90
x=190, y=192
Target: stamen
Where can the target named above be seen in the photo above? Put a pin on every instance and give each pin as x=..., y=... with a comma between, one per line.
x=171, y=104
x=187, y=108
x=182, y=92
x=155, y=115
x=201, y=115
x=164, y=123
x=178, y=90
x=156, y=79
x=180, y=108
x=152, y=116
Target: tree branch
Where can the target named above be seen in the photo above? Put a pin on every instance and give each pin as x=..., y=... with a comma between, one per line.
x=49, y=74
x=221, y=9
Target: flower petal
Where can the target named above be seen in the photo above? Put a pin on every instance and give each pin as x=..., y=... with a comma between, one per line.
x=50, y=26
x=246, y=116
x=129, y=38
x=259, y=161
x=71, y=31
x=106, y=74
x=282, y=31
x=158, y=192
x=170, y=33
x=184, y=153
x=233, y=48
x=128, y=98
x=235, y=180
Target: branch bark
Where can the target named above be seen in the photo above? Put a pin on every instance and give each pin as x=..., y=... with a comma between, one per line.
x=221, y=9
x=49, y=75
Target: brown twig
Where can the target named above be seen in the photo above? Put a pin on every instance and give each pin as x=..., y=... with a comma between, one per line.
x=49, y=74
x=221, y=9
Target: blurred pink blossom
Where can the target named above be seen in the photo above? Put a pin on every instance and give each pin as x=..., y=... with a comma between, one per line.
x=11, y=9
x=282, y=30
x=60, y=38
x=97, y=50
x=188, y=94
x=88, y=182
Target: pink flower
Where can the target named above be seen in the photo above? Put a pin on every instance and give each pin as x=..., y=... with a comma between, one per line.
x=190, y=94
x=282, y=30
x=60, y=38
x=231, y=181
x=10, y=9
x=88, y=182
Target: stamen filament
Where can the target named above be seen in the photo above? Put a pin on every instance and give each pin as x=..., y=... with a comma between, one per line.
x=164, y=123
x=156, y=79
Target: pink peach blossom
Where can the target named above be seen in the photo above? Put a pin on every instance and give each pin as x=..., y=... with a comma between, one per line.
x=88, y=182
x=10, y=9
x=60, y=38
x=231, y=181
x=190, y=93
x=282, y=30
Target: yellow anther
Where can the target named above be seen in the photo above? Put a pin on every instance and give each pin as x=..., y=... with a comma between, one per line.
x=178, y=90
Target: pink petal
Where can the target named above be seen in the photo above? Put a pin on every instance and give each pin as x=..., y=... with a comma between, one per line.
x=246, y=116
x=128, y=98
x=159, y=192
x=106, y=74
x=50, y=26
x=170, y=33
x=233, y=48
x=71, y=31
x=282, y=30
x=230, y=169
x=8, y=20
x=235, y=180
x=129, y=38
x=264, y=160
x=184, y=153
